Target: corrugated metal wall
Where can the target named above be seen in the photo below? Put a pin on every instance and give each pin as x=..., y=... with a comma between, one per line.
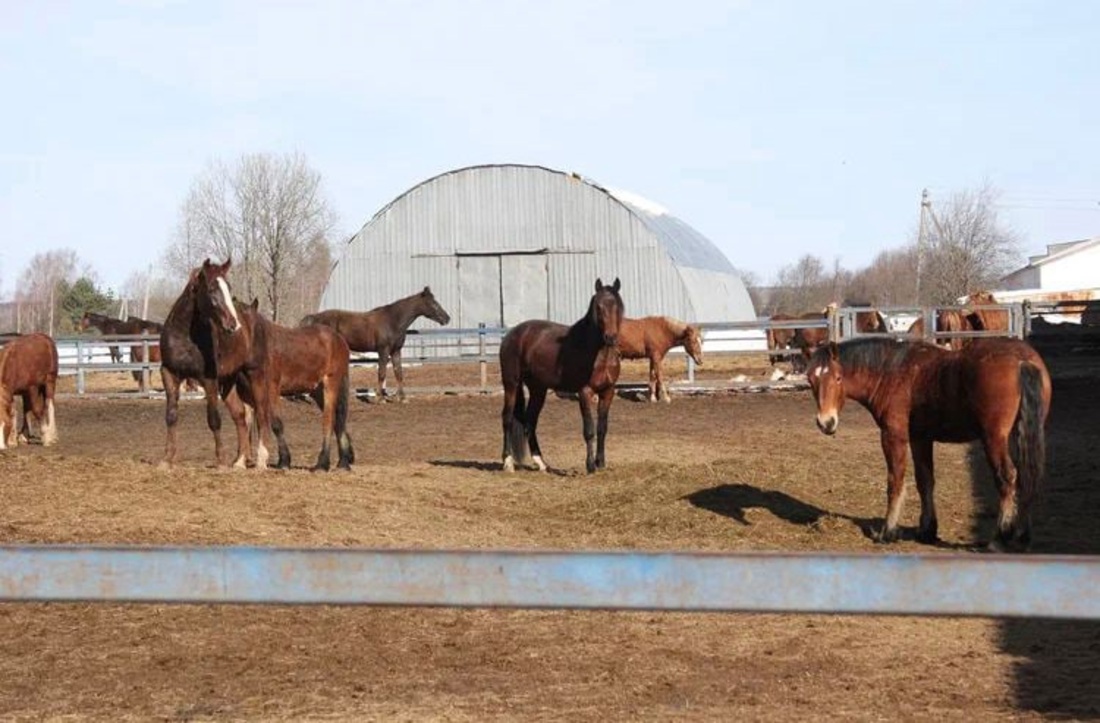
x=490, y=219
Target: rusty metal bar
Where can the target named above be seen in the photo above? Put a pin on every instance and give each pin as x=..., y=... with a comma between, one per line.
x=947, y=584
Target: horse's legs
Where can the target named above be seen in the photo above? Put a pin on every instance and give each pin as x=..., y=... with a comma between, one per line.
x=235, y=405
x=926, y=485
x=656, y=362
x=534, y=409
x=606, y=397
x=49, y=429
x=383, y=360
x=213, y=418
x=326, y=400
x=506, y=419
x=171, y=413
x=654, y=378
x=32, y=404
x=266, y=421
x=894, y=448
x=587, y=399
x=400, y=374
x=1012, y=532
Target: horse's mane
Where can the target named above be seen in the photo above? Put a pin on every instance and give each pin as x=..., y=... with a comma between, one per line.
x=872, y=354
x=677, y=327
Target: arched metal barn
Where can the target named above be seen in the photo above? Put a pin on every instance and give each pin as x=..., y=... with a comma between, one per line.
x=503, y=243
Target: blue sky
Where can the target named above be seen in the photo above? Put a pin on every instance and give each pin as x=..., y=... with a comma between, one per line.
x=775, y=128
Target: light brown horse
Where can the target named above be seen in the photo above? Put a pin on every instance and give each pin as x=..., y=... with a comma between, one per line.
x=383, y=330
x=949, y=320
x=28, y=369
x=986, y=319
x=274, y=360
x=650, y=338
x=581, y=358
x=993, y=390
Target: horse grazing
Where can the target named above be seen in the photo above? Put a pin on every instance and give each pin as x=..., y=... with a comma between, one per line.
x=993, y=390
x=188, y=352
x=272, y=360
x=582, y=358
x=28, y=368
x=382, y=330
x=650, y=338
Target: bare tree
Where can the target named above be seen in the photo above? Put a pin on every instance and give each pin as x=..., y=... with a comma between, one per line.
x=267, y=213
x=890, y=279
x=37, y=292
x=968, y=247
x=801, y=286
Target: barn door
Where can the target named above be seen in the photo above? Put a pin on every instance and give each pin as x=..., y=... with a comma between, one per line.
x=479, y=290
x=523, y=288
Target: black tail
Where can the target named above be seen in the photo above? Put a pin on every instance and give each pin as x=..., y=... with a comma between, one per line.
x=1030, y=438
x=520, y=448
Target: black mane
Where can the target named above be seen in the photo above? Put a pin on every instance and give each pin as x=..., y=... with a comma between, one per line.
x=871, y=353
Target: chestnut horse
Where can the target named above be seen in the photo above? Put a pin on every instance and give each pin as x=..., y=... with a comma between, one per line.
x=383, y=330
x=28, y=368
x=650, y=338
x=189, y=352
x=993, y=390
x=986, y=319
x=946, y=320
x=581, y=358
x=272, y=360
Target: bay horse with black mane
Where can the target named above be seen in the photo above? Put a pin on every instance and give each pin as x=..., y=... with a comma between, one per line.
x=993, y=390
x=188, y=348
x=650, y=338
x=108, y=326
x=28, y=369
x=272, y=360
x=582, y=358
x=382, y=330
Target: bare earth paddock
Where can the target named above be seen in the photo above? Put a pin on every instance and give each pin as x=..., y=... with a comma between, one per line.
x=724, y=472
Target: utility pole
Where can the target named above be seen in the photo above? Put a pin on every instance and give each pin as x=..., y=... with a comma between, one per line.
x=925, y=209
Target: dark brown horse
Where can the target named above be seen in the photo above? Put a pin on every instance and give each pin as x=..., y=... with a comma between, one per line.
x=383, y=330
x=272, y=360
x=993, y=390
x=949, y=320
x=109, y=326
x=28, y=369
x=581, y=358
x=796, y=337
x=650, y=338
x=188, y=351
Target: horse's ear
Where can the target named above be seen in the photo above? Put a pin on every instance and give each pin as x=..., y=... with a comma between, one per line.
x=599, y=283
x=226, y=265
x=255, y=304
x=427, y=291
x=616, y=286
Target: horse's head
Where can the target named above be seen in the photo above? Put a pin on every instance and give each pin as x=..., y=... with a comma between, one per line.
x=826, y=380
x=432, y=309
x=214, y=297
x=693, y=343
x=606, y=311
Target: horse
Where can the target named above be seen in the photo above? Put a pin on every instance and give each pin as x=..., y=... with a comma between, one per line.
x=986, y=319
x=382, y=330
x=650, y=338
x=946, y=320
x=188, y=352
x=993, y=390
x=274, y=360
x=582, y=358
x=109, y=326
x=28, y=368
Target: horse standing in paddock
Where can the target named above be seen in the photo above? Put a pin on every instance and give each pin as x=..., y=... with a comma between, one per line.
x=650, y=338
x=382, y=330
x=189, y=352
x=274, y=360
x=28, y=368
x=109, y=326
x=986, y=319
x=137, y=351
x=946, y=320
x=582, y=358
x=993, y=390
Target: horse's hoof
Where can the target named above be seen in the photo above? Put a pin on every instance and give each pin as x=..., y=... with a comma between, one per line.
x=886, y=535
x=539, y=464
x=590, y=467
x=929, y=535
x=509, y=464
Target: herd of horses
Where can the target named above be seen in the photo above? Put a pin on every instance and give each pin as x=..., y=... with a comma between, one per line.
x=994, y=390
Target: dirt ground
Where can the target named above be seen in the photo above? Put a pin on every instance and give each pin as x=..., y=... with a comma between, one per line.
x=723, y=472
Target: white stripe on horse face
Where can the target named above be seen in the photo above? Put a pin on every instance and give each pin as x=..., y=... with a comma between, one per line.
x=228, y=298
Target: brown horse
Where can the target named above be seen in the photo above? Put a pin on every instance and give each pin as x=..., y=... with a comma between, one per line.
x=650, y=338
x=273, y=360
x=383, y=330
x=109, y=326
x=188, y=351
x=946, y=320
x=986, y=319
x=28, y=368
x=993, y=390
x=581, y=358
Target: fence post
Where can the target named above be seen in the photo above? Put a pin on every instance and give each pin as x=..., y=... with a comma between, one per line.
x=145, y=361
x=929, y=323
x=80, y=366
x=482, y=364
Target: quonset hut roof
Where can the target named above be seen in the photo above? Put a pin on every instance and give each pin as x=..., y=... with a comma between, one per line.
x=546, y=234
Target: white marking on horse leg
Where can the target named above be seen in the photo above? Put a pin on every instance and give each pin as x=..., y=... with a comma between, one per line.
x=893, y=512
x=241, y=461
x=3, y=437
x=49, y=429
x=537, y=459
x=1006, y=518
x=262, y=456
x=509, y=464
x=224, y=287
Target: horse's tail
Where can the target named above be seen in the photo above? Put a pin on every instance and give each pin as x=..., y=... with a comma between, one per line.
x=518, y=430
x=1029, y=437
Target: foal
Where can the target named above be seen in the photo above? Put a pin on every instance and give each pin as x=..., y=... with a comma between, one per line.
x=650, y=338
x=28, y=369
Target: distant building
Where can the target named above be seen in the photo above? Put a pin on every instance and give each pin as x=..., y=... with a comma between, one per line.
x=1068, y=266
